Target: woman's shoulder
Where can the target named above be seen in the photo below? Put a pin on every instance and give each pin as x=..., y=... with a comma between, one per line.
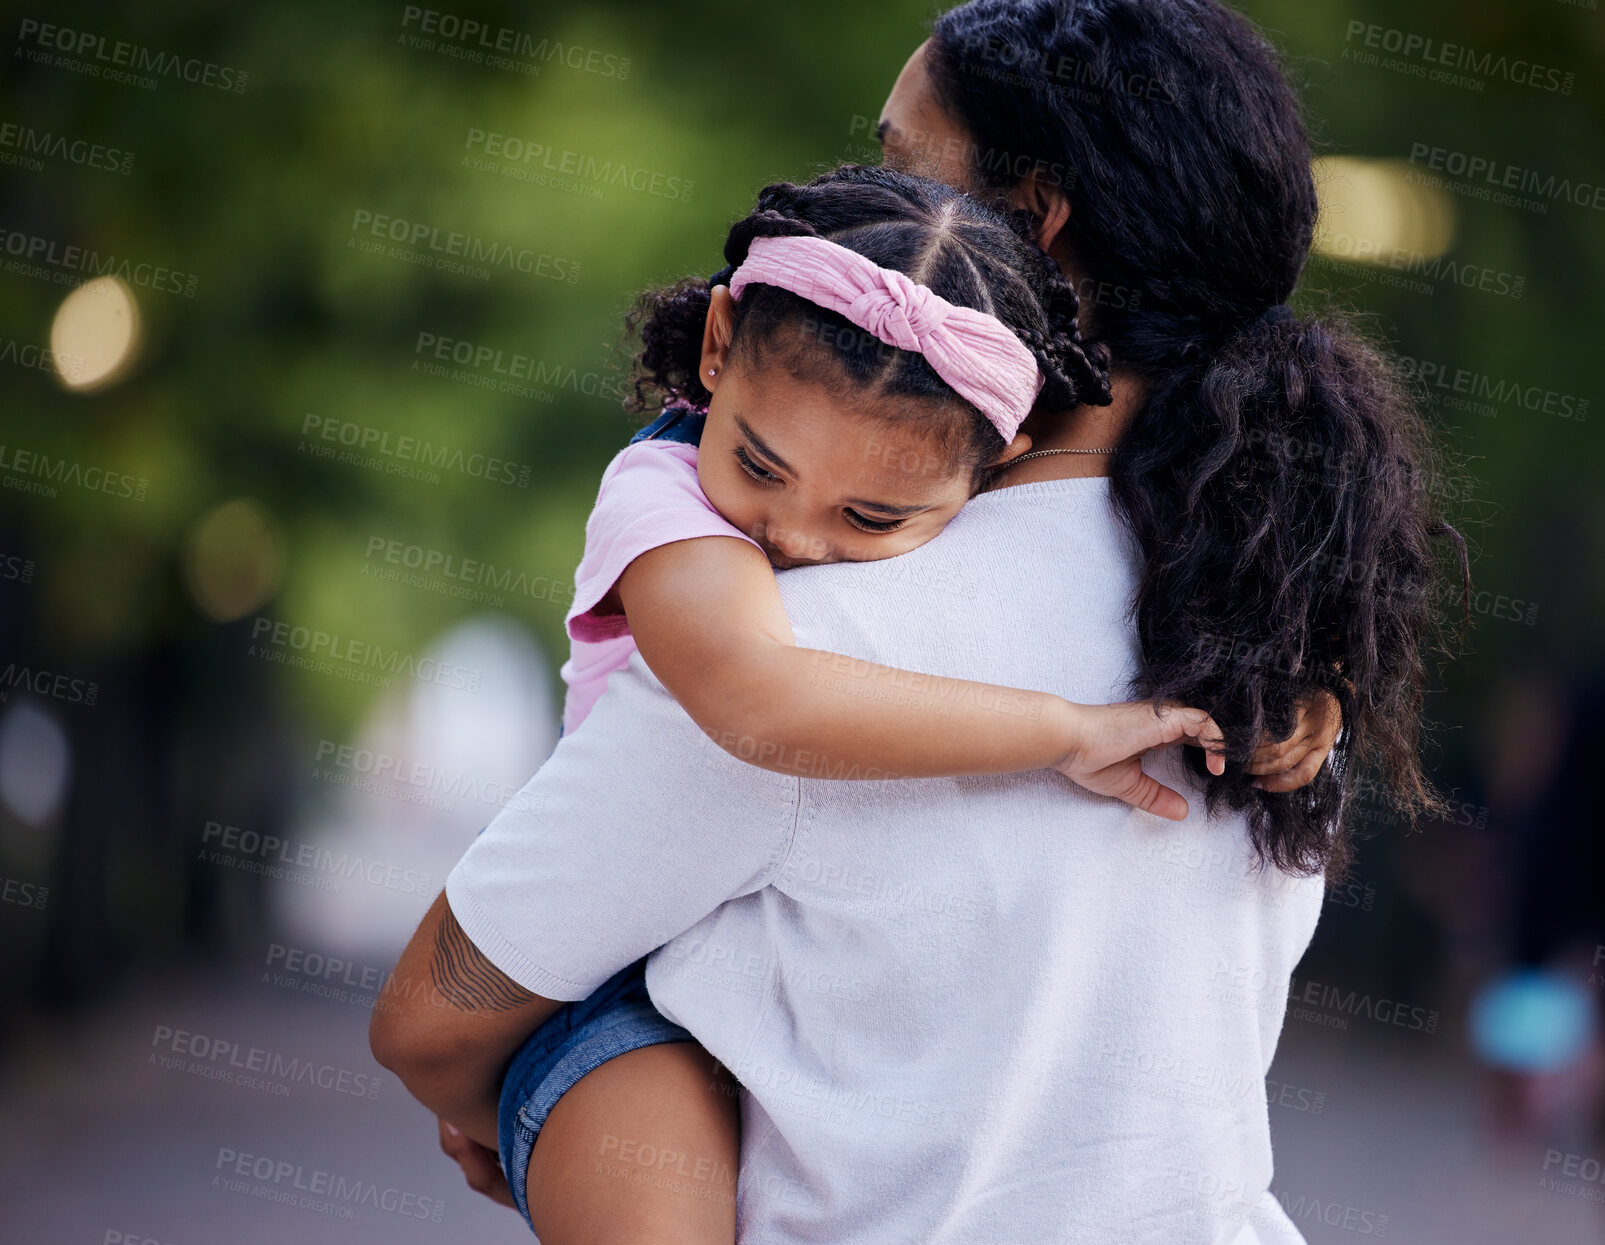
x=1068, y=512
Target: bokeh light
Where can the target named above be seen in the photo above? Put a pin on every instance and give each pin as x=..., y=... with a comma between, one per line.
x=1532, y=1021
x=95, y=336
x=35, y=762
x=233, y=559
x=1373, y=210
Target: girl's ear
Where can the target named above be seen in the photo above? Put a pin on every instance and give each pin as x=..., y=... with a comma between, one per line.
x=1020, y=445
x=716, y=331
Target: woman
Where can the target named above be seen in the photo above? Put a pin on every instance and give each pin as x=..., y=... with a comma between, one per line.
x=1268, y=466
x=1270, y=473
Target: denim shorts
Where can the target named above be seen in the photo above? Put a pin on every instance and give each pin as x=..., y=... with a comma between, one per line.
x=578, y=1038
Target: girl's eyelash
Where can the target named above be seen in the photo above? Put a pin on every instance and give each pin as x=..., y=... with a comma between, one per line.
x=853, y=517
x=753, y=469
x=873, y=525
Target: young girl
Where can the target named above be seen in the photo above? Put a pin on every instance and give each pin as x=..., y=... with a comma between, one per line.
x=838, y=392
x=844, y=412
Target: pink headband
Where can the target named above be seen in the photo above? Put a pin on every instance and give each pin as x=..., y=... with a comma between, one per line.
x=972, y=351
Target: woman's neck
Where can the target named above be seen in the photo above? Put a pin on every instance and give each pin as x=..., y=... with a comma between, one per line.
x=1079, y=428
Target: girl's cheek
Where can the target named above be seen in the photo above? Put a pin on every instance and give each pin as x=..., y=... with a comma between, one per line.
x=726, y=497
x=877, y=549
x=745, y=520
x=913, y=539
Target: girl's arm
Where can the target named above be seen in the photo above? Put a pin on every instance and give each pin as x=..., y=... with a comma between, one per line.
x=707, y=617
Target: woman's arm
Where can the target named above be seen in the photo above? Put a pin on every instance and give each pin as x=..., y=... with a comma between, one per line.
x=448, y=1021
x=708, y=619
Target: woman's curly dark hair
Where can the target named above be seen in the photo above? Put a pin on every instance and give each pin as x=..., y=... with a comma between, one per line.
x=969, y=253
x=1277, y=477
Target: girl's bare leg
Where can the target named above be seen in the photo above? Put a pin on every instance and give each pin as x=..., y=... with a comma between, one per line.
x=642, y=1151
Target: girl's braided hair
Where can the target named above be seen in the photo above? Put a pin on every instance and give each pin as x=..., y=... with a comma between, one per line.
x=971, y=253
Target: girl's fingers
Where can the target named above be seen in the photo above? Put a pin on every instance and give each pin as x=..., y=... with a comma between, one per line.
x=1283, y=766
x=1173, y=722
x=1298, y=776
x=1152, y=796
x=1203, y=730
x=1213, y=741
x=1274, y=758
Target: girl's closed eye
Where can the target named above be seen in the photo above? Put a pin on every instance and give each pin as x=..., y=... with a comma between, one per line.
x=753, y=469
x=872, y=525
x=862, y=522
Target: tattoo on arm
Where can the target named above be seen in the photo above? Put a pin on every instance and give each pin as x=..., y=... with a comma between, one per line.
x=465, y=978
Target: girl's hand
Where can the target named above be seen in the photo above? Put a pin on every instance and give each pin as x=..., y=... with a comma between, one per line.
x=1295, y=762
x=1108, y=742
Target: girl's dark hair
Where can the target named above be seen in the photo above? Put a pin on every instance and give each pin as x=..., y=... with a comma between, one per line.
x=970, y=254
x=1277, y=477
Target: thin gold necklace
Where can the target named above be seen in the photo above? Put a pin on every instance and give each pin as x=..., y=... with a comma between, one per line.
x=1043, y=453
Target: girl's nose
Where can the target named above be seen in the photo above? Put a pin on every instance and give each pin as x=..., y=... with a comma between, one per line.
x=797, y=546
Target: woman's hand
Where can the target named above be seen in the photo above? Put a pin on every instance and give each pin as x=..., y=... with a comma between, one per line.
x=1108, y=742
x=481, y=1168
x=1295, y=762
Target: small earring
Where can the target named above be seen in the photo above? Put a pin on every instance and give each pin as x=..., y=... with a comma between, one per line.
x=711, y=372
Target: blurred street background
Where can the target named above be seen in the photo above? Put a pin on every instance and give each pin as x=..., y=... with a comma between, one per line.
x=309, y=367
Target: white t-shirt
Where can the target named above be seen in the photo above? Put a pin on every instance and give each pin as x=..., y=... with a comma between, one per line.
x=961, y=1010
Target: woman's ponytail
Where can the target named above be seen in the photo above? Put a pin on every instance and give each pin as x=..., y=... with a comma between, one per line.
x=1278, y=490
x=1277, y=478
